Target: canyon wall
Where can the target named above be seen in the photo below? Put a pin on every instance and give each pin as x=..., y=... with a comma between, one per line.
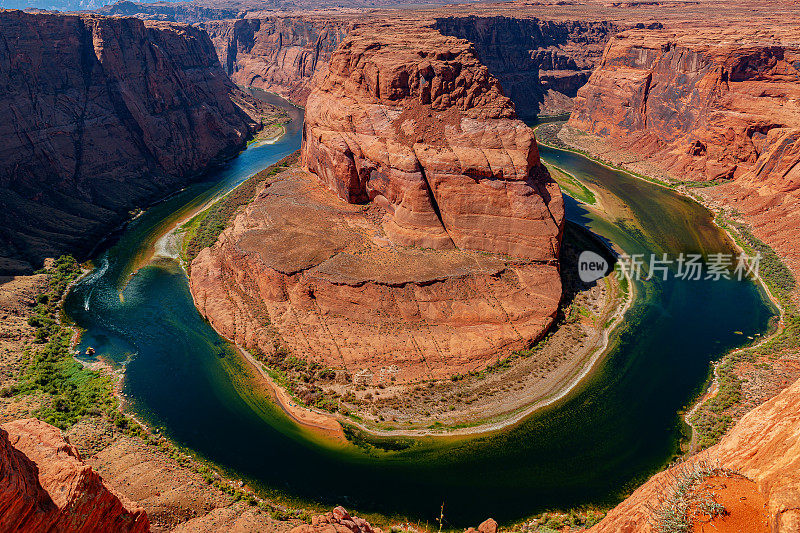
x=98, y=116
x=541, y=63
x=764, y=446
x=422, y=238
x=277, y=54
x=45, y=486
x=185, y=12
x=708, y=104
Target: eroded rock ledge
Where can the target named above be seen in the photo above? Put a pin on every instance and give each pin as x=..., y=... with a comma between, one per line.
x=425, y=240
x=45, y=486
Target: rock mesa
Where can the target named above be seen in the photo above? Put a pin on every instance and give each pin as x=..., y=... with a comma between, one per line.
x=424, y=241
x=412, y=121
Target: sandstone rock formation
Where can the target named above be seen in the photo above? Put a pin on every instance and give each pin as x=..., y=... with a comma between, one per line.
x=708, y=103
x=277, y=54
x=763, y=446
x=434, y=248
x=185, y=12
x=411, y=120
x=45, y=486
x=340, y=521
x=98, y=116
x=301, y=269
x=337, y=521
x=541, y=63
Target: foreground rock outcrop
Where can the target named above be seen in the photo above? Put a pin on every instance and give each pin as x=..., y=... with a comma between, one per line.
x=45, y=486
x=708, y=103
x=338, y=520
x=99, y=116
x=425, y=240
x=764, y=446
x=277, y=54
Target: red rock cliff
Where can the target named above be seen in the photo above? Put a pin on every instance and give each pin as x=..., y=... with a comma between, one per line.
x=45, y=486
x=541, y=63
x=764, y=446
x=377, y=263
x=97, y=116
x=277, y=54
x=708, y=103
x=410, y=119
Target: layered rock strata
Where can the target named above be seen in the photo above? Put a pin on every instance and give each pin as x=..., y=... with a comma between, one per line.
x=303, y=270
x=277, y=54
x=98, y=116
x=541, y=63
x=184, y=12
x=410, y=119
x=708, y=104
x=45, y=486
x=425, y=240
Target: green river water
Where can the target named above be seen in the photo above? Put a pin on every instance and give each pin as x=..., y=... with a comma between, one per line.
x=617, y=427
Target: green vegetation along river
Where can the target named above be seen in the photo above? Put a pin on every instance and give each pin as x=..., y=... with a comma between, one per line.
x=618, y=426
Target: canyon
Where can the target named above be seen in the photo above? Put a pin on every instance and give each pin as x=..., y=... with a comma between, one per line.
x=540, y=63
x=422, y=209
x=101, y=116
x=707, y=104
x=277, y=54
x=420, y=236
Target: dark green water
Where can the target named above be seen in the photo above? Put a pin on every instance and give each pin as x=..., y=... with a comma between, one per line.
x=617, y=427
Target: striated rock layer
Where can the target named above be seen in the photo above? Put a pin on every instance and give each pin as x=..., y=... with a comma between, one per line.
x=708, y=104
x=277, y=54
x=97, y=116
x=541, y=63
x=426, y=241
x=45, y=486
x=763, y=446
x=301, y=269
x=411, y=120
